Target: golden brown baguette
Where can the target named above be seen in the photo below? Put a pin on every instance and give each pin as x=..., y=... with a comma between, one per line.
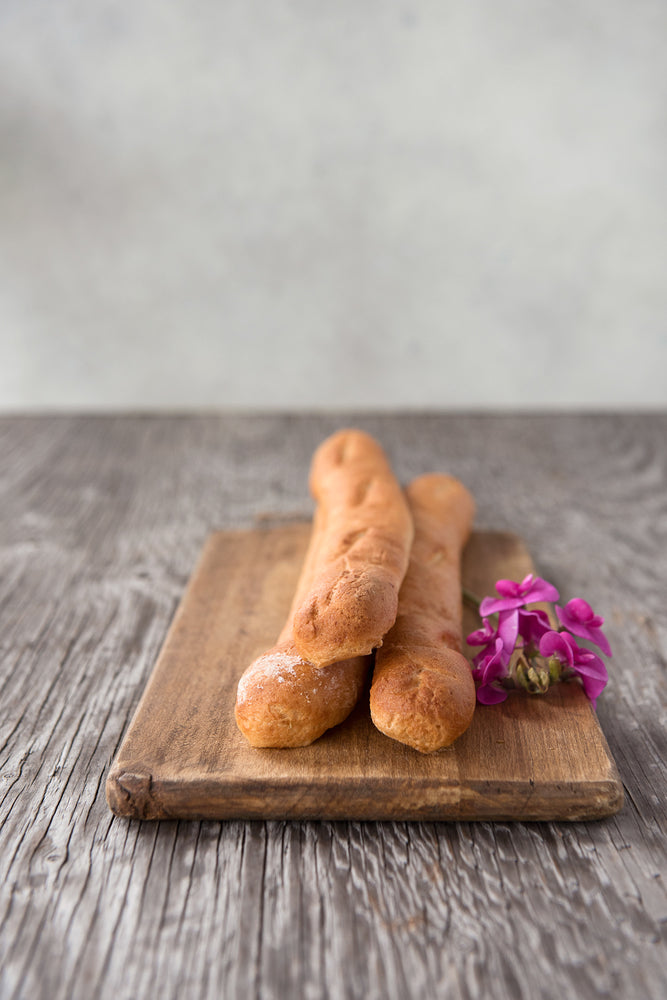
x=422, y=692
x=363, y=552
x=284, y=701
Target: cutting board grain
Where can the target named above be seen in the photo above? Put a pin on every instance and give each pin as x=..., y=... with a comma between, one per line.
x=530, y=758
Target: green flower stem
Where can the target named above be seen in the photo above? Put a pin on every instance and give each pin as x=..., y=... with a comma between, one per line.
x=472, y=600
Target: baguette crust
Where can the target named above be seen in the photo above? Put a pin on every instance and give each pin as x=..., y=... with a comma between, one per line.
x=423, y=693
x=363, y=554
x=284, y=701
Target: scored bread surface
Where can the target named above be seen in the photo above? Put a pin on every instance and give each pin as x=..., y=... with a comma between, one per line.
x=284, y=701
x=363, y=553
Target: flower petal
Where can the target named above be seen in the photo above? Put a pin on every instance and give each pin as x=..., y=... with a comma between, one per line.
x=487, y=695
x=509, y=588
x=533, y=624
x=581, y=610
x=496, y=665
x=540, y=590
x=530, y=590
x=556, y=643
x=577, y=616
x=508, y=629
x=593, y=678
x=491, y=666
x=483, y=636
x=492, y=605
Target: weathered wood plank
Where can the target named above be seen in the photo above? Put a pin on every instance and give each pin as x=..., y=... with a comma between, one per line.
x=102, y=521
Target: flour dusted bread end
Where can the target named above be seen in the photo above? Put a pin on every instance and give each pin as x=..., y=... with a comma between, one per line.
x=283, y=701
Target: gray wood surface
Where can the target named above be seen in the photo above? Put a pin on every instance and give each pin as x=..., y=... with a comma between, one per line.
x=102, y=520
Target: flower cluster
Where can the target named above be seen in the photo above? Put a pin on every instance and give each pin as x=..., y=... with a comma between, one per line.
x=524, y=649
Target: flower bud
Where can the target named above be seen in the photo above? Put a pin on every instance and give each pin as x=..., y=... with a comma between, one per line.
x=534, y=676
x=555, y=669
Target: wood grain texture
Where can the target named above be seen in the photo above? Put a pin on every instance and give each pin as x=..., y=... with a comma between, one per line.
x=102, y=520
x=184, y=757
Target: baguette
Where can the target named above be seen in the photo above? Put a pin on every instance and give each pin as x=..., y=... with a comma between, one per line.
x=422, y=692
x=363, y=552
x=284, y=701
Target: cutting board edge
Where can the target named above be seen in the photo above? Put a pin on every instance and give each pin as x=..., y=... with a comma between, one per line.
x=141, y=795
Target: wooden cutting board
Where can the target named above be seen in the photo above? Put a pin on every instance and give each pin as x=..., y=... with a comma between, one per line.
x=530, y=758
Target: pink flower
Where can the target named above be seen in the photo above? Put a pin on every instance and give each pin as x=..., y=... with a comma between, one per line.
x=516, y=595
x=577, y=617
x=586, y=665
x=513, y=597
x=492, y=668
x=513, y=654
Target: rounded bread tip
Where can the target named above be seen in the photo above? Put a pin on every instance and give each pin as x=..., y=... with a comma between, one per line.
x=434, y=490
x=408, y=697
x=284, y=701
x=347, y=448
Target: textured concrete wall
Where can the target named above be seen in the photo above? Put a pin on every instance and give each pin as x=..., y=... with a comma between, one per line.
x=296, y=204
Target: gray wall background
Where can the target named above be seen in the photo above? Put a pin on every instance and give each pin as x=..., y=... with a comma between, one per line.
x=293, y=204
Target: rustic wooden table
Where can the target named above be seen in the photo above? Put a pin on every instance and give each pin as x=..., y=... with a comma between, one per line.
x=102, y=521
